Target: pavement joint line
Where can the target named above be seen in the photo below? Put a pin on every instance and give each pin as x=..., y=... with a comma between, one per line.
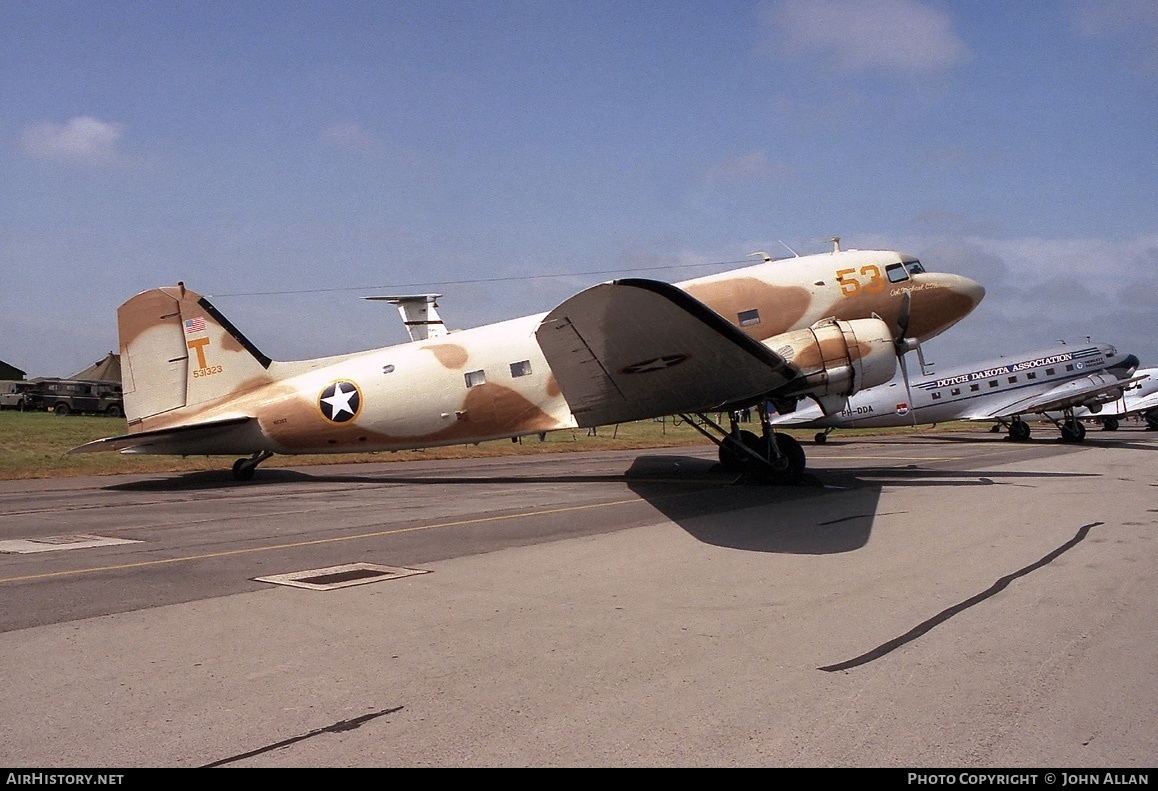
x=331, y=540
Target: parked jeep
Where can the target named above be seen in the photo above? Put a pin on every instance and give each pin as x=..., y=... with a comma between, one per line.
x=69, y=396
x=14, y=393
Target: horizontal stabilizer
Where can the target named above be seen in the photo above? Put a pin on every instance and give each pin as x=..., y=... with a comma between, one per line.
x=194, y=439
x=635, y=349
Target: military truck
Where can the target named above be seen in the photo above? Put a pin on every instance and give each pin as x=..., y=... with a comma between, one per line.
x=76, y=396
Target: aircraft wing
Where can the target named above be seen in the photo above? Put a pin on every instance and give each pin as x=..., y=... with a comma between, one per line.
x=1097, y=388
x=1143, y=402
x=193, y=439
x=635, y=349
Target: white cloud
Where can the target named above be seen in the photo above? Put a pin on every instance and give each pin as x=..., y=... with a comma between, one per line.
x=349, y=135
x=753, y=166
x=83, y=140
x=1041, y=290
x=1131, y=24
x=894, y=35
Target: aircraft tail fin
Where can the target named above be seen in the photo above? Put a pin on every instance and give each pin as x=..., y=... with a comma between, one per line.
x=178, y=351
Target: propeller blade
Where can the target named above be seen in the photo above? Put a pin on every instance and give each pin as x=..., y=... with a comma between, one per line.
x=903, y=315
x=908, y=389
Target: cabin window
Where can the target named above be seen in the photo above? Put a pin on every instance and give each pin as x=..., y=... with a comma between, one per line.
x=475, y=378
x=1049, y=371
x=974, y=388
x=1069, y=367
x=993, y=383
x=749, y=317
x=1013, y=380
x=521, y=368
x=936, y=396
x=955, y=391
x=897, y=273
x=1031, y=375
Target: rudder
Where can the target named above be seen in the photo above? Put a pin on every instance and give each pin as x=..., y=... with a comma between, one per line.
x=178, y=351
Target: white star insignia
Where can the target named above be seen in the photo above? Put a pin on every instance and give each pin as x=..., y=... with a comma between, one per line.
x=340, y=401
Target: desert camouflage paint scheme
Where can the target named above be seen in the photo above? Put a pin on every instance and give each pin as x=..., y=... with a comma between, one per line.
x=821, y=325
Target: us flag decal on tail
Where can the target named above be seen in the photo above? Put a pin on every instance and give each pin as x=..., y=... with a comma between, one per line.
x=196, y=324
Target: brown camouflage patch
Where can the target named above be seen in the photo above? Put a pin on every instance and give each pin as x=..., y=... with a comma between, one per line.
x=781, y=307
x=451, y=355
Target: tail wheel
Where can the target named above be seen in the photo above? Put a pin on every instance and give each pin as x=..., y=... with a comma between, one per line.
x=1109, y=424
x=243, y=470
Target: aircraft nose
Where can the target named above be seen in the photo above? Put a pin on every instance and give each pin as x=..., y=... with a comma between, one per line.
x=940, y=300
x=1126, y=367
x=970, y=289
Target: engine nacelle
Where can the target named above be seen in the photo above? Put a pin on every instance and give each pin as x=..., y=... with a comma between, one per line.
x=838, y=358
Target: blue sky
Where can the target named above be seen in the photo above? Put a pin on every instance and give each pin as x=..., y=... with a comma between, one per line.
x=501, y=152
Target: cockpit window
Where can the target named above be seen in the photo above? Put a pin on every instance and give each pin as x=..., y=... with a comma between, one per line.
x=914, y=267
x=896, y=273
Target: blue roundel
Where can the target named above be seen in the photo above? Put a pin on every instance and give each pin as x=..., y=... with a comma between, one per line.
x=340, y=401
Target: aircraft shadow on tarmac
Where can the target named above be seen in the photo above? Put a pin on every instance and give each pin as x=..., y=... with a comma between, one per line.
x=223, y=479
x=1042, y=437
x=830, y=512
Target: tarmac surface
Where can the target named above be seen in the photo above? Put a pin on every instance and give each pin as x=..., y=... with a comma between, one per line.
x=951, y=600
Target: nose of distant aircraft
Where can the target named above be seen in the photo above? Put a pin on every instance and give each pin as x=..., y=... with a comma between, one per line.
x=1125, y=368
x=940, y=300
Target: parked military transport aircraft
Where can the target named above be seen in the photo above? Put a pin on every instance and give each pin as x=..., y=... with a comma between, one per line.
x=1051, y=382
x=820, y=326
x=1139, y=398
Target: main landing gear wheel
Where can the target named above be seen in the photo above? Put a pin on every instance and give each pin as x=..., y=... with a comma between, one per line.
x=1019, y=431
x=1109, y=424
x=787, y=470
x=1073, y=431
x=732, y=458
x=243, y=469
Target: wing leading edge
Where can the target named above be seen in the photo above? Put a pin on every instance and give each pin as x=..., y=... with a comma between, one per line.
x=1093, y=389
x=635, y=349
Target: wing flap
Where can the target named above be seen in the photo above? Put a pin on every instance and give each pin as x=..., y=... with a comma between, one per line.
x=635, y=349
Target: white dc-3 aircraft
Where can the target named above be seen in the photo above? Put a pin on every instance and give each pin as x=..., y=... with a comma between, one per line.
x=820, y=326
x=1139, y=398
x=1051, y=383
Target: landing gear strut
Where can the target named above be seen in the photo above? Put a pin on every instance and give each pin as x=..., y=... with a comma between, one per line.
x=243, y=468
x=775, y=459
